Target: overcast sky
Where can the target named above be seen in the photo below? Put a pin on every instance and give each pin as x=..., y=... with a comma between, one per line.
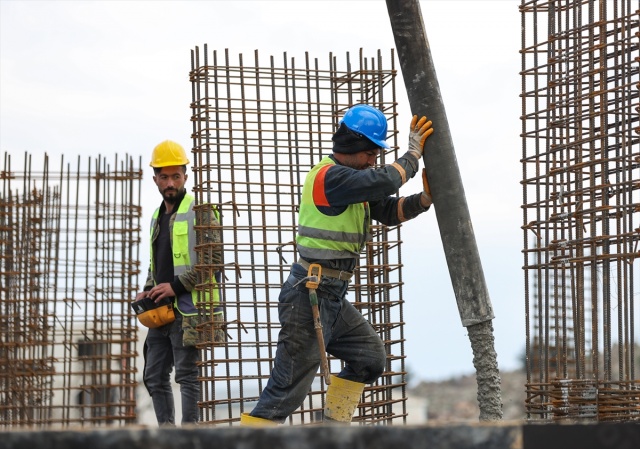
x=89, y=77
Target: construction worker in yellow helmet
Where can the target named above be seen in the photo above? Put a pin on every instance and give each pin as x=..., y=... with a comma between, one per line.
x=172, y=279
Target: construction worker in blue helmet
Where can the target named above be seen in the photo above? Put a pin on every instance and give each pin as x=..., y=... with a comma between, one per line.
x=340, y=196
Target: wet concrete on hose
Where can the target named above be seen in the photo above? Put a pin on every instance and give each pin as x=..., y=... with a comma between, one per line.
x=487, y=374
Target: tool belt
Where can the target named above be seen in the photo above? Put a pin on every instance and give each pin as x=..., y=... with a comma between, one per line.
x=329, y=272
x=154, y=315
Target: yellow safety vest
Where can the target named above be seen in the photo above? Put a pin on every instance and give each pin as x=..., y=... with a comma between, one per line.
x=183, y=238
x=322, y=236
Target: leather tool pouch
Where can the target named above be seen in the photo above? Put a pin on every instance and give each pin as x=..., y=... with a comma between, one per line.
x=154, y=315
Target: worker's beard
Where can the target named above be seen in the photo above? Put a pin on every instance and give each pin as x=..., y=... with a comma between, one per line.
x=171, y=196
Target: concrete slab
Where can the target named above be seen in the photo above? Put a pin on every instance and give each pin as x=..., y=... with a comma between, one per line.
x=489, y=436
x=502, y=435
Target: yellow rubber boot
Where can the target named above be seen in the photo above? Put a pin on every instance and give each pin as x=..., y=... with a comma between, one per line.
x=247, y=420
x=342, y=399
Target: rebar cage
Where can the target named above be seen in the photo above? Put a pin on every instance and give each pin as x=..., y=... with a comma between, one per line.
x=69, y=267
x=258, y=128
x=581, y=213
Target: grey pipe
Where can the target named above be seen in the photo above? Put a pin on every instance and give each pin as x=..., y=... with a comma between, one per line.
x=454, y=221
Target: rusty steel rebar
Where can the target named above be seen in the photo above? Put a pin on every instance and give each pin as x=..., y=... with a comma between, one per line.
x=581, y=220
x=68, y=269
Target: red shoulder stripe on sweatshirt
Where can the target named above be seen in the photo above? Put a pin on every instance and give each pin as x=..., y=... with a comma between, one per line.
x=319, y=198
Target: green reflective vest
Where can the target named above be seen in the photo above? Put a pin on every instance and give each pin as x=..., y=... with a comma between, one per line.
x=183, y=240
x=322, y=236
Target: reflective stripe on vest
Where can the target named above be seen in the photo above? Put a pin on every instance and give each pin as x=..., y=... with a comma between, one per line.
x=322, y=236
x=183, y=239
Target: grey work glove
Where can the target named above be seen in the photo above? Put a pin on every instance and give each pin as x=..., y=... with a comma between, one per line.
x=420, y=130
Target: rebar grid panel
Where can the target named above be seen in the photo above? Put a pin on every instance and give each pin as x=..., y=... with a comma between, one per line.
x=69, y=265
x=258, y=128
x=581, y=208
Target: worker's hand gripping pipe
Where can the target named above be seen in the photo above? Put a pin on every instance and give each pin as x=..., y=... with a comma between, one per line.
x=313, y=280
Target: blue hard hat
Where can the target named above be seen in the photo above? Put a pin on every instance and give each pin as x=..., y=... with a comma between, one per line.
x=368, y=122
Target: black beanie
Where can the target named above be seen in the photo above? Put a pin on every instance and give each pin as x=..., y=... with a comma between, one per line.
x=349, y=142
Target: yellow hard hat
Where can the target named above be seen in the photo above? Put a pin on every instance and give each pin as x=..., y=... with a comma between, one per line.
x=167, y=154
